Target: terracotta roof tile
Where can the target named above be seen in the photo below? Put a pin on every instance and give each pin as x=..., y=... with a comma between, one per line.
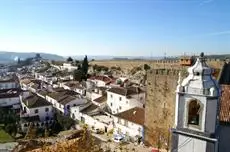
x=102, y=78
x=126, y=91
x=34, y=101
x=225, y=104
x=101, y=99
x=74, y=84
x=135, y=115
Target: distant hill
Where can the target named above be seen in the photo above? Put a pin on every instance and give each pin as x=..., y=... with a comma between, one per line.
x=12, y=56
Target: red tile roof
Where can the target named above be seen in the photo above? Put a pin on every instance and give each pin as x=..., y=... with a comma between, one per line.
x=126, y=91
x=225, y=104
x=135, y=115
x=101, y=99
x=102, y=78
x=74, y=84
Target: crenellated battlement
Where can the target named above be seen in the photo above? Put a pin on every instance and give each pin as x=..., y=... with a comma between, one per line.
x=169, y=72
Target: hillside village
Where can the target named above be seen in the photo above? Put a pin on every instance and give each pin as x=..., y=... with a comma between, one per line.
x=51, y=100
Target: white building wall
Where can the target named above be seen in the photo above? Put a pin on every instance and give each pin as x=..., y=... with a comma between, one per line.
x=119, y=103
x=8, y=85
x=75, y=113
x=76, y=102
x=60, y=107
x=41, y=112
x=129, y=128
x=100, y=83
x=9, y=101
x=91, y=122
x=187, y=144
x=95, y=96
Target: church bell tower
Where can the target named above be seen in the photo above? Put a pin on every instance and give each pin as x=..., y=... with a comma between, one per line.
x=197, y=102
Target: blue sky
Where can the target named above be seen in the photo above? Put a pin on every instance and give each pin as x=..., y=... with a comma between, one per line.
x=115, y=27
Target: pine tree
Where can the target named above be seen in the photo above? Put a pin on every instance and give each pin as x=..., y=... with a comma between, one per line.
x=85, y=66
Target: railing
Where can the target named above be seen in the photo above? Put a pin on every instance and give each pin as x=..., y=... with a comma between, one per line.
x=197, y=91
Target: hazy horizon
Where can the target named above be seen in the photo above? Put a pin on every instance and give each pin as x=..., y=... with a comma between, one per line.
x=115, y=27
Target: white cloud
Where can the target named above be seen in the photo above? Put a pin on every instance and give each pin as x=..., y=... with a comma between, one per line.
x=219, y=33
x=205, y=2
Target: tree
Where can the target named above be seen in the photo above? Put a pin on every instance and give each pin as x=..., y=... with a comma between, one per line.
x=77, y=75
x=146, y=67
x=38, y=56
x=77, y=62
x=85, y=66
x=69, y=59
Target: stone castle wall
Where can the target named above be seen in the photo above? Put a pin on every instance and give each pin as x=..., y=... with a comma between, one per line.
x=160, y=105
x=160, y=101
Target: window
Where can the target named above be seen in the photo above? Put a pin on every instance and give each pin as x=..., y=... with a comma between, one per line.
x=119, y=130
x=139, y=130
x=59, y=105
x=118, y=120
x=74, y=105
x=120, y=107
x=126, y=123
x=47, y=118
x=36, y=111
x=111, y=96
x=73, y=116
x=83, y=119
x=194, y=112
x=47, y=109
x=127, y=102
x=120, y=98
x=111, y=104
x=68, y=107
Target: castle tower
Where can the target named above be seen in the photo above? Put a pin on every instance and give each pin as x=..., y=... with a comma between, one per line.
x=196, y=110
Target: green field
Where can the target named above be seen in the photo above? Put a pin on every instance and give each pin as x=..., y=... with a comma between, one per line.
x=5, y=137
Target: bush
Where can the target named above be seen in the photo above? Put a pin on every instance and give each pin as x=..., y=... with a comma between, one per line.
x=115, y=68
x=135, y=69
x=99, y=68
x=146, y=67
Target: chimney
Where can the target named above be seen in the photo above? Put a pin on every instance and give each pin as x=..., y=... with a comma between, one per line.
x=134, y=112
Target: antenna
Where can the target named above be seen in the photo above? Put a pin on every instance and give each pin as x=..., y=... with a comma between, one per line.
x=164, y=59
x=165, y=55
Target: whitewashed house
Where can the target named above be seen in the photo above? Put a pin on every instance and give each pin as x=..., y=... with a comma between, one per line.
x=35, y=110
x=69, y=67
x=32, y=85
x=101, y=81
x=64, y=100
x=10, y=98
x=92, y=115
x=74, y=86
x=100, y=101
x=8, y=83
x=120, y=99
x=47, y=77
x=33, y=105
x=97, y=92
x=130, y=123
